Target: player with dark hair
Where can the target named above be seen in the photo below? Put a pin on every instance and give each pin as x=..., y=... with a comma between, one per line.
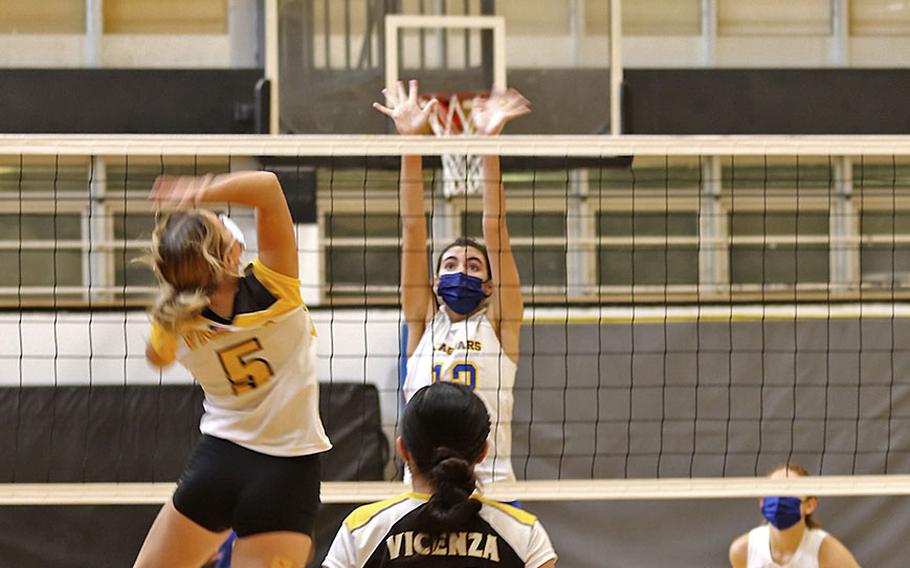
x=464, y=323
x=442, y=522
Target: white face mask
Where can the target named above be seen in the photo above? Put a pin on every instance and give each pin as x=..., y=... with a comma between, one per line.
x=234, y=229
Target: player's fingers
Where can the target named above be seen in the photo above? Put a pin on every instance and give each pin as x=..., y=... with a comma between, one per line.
x=183, y=192
x=412, y=91
x=402, y=95
x=390, y=98
x=430, y=107
x=164, y=189
x=201, y=188
x=515, y=113
x=157, y=189
x=515, y=100
x=383, y=109
x=513, y=94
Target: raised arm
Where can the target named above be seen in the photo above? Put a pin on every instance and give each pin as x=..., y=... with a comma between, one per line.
x=416, y=290
x=506, y=306
x=259, y=190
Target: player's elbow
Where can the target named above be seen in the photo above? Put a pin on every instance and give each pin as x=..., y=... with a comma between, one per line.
x=154, y=358
x=268, y=177
x=270, y=181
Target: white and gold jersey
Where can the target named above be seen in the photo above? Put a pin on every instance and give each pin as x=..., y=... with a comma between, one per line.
x=384, y=535
x=806, y=555
x=468, y=352
x=258, y=370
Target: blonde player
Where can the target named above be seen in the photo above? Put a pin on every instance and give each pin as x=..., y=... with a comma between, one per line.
x=470, y=334
x=442, y=523
x=247, y=338
x=792, y=538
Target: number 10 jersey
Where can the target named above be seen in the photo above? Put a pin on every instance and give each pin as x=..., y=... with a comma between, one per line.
x=468, y=352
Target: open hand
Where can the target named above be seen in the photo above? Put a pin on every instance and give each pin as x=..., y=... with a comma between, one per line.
x=491, y=114
x=405, y=110
x=181, y=191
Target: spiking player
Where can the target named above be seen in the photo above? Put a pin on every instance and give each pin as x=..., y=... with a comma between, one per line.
x=249, y=341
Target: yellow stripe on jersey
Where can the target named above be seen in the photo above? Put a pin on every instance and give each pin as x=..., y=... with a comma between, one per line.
x=286, y=290
x=283, y=286
x=164, y=343
x=362, y=515
x=519, y=515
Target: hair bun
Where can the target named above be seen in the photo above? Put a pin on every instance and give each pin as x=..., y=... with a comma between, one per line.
x=453, y=469
x=451, y=506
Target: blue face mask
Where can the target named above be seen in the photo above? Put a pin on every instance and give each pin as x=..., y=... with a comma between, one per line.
x=782, y=512
x=461, y=292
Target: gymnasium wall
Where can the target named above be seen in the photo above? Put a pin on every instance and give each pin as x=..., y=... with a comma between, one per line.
x=128, y=101
x=655, y=101
x=704, y=101
x=766, y=101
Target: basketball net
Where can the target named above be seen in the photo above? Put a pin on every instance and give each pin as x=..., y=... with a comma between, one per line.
x=461, y=173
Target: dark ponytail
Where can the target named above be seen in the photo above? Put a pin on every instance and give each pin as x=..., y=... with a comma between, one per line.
x=445, y=428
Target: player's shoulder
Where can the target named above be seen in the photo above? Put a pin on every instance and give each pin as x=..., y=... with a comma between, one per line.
x=832, y=552
x=281, y=285
x=373, y=512
x=509, y=512
x=739, y=550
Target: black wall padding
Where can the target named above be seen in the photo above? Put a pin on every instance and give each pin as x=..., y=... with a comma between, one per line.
x=73, y=536
x=767, y=101
x=128, y=101
x=106, y=536
x=100, y=434
x=141, y=433
x=144, y=433
x=350, y=414
x=299, y=185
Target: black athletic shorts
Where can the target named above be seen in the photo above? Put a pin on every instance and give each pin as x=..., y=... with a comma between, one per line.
x=225, y=486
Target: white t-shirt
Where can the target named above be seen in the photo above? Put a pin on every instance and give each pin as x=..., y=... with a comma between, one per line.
x=383, y=534
x=806, y=555
x=258, y=370
x=468, y=352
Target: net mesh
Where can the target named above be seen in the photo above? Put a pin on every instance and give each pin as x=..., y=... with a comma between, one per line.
x=694, y=316
x=460, y=172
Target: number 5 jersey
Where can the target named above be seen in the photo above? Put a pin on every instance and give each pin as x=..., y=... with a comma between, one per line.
x=469, y=352
x=258, y=370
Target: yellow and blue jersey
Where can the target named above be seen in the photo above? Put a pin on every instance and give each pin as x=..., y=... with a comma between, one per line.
x=469, y=352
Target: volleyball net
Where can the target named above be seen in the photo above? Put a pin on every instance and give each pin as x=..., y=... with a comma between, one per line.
x=698, y=309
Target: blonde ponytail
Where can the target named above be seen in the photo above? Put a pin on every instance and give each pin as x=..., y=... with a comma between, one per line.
x=176, y=311
x=186, y=256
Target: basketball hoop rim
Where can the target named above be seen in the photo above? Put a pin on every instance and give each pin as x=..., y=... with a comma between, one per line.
x=445, y=97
